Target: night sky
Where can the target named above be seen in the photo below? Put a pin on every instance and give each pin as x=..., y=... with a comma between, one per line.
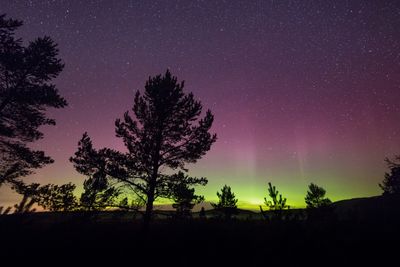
x=302, y=91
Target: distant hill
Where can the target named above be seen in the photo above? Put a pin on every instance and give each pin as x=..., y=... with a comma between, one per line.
x=368, y=208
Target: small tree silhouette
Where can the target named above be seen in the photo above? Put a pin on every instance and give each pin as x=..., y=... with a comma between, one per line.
x=185, y=199
x=98, y=196
x=315, y=197
x=184, y=196
x=278, y=203
x=318, y=207
x=227, y=202
x=391, y=183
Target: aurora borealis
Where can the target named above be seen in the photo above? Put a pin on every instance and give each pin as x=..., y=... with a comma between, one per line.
x=301, y=91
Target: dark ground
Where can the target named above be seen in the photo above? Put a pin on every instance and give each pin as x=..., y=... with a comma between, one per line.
x=76, y=239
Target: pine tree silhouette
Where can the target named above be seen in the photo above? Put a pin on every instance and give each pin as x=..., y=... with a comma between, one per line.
x=165, y=132
x=277, y=203
x=25, y=95
x=227, y=202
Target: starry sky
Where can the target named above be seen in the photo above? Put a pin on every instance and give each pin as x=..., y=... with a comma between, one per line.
x=302, y=91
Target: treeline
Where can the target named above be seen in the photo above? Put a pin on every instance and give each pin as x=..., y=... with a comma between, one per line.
x=62, y=198
x=164, y=131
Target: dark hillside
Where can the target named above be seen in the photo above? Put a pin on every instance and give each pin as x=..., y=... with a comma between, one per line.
x=73, y=238
x=369, y=208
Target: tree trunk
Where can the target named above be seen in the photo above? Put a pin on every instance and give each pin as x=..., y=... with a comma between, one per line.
x=152, y=184
x=149, y=207
x=150, y=200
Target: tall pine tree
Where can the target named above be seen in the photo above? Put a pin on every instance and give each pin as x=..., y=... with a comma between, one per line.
x=165, y=132
x=26, y=92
